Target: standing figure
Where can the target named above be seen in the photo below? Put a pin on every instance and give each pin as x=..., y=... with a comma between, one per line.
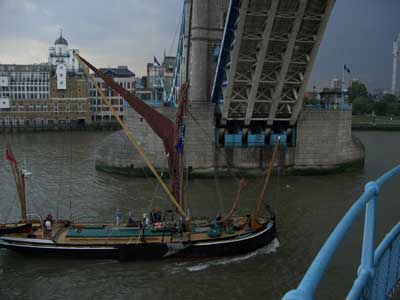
x=117, y=217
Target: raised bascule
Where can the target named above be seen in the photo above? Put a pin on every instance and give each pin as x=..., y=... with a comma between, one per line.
x=248, y=64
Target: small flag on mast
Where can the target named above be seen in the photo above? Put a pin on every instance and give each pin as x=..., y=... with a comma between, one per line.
x=157, y=62
x=346, y=69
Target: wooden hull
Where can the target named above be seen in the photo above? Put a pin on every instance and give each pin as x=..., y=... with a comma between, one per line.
x=144, y=251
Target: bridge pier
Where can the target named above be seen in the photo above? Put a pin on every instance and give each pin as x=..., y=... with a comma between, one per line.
x=324, y=144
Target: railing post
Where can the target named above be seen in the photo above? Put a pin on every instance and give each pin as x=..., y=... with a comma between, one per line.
x=367, y=258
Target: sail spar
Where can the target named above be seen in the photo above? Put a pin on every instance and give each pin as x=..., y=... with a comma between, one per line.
x=161, y=125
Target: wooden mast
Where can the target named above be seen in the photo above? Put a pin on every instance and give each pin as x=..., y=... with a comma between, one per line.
x=254, y=223
x=19, y=181
x=133, y=141
x=182, y=106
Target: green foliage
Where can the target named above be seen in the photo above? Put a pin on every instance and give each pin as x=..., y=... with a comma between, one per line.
x=357, y=90
x=362, y=105
x=390, y=98
x=381, y=108
x=310, y=100
x=388, y=106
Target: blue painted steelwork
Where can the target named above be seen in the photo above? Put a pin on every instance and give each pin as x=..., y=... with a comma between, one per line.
x=278, y=137
x=177, y=77
x=293, y=137
x=157, y=87
x=344, y=106
x=233, y=140
x=224, y=55
x=255, y=139
x=370, y=281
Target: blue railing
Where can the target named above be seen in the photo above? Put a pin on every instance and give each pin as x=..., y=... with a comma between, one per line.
x=376, y=274
x=225, y=51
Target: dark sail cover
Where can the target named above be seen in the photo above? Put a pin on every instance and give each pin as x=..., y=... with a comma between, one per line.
x=161, y=125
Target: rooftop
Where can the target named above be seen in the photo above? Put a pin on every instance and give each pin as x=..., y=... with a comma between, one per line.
x=61, y=41
x=120, y=71
x=43, y=67
x=169, y=62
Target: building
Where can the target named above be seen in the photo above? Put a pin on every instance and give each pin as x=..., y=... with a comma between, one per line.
x=142, y=92
x=24, y=95
x=60, y=54
x=100, y=111
x=159, y=77
x=331, y=96
x=45, y=95
x=336, y=83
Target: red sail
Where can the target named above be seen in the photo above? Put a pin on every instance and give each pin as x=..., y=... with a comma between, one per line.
x=161, y=125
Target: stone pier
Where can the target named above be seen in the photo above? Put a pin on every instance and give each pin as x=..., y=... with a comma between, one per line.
x=324, y=144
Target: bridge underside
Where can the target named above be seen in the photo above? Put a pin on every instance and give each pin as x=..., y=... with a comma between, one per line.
x=266, y=58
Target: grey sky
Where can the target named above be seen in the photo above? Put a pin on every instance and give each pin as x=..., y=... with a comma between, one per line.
x=359, y=34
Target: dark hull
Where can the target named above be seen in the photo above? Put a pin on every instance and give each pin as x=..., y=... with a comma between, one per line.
x=16, y=229
x=126, y=252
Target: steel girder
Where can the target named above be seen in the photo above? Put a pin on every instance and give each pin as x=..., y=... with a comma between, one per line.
x=267, y=54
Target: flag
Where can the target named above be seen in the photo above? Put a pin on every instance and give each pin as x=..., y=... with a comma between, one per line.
x=180, y=146
x=157, y=62
x=346, y=69
x=10, y=157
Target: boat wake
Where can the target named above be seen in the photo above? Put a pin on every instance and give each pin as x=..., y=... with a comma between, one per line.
x=195, y=267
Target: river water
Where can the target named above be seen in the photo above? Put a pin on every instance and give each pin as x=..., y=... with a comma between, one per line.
x=65, y=183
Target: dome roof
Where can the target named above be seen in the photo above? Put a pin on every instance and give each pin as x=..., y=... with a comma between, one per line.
x=61, y=41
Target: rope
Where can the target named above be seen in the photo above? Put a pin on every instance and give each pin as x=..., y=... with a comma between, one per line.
x=174, y=38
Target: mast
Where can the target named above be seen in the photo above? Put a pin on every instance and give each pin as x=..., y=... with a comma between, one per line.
x=148, y=113
x=254, y=223
x=19, y=178
x=178, y=180
x=180, y=117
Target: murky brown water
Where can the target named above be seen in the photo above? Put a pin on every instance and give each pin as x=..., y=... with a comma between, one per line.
x=65, y=183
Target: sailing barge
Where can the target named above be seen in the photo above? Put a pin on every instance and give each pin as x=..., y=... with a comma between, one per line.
x=179, y=236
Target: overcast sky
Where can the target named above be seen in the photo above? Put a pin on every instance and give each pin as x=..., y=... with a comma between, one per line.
x=130, y=32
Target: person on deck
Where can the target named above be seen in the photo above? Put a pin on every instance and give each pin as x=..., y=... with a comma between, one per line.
x=131, y=222
x=47, y=222
x=117, y=217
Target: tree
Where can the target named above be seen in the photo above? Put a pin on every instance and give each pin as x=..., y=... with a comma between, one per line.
x=390, y=98
x=356, y=90
x=381, y=108
x=361, y=105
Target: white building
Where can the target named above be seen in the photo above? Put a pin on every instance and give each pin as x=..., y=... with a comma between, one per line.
x=59, y=53
x=24, y=82
x=62, y=60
